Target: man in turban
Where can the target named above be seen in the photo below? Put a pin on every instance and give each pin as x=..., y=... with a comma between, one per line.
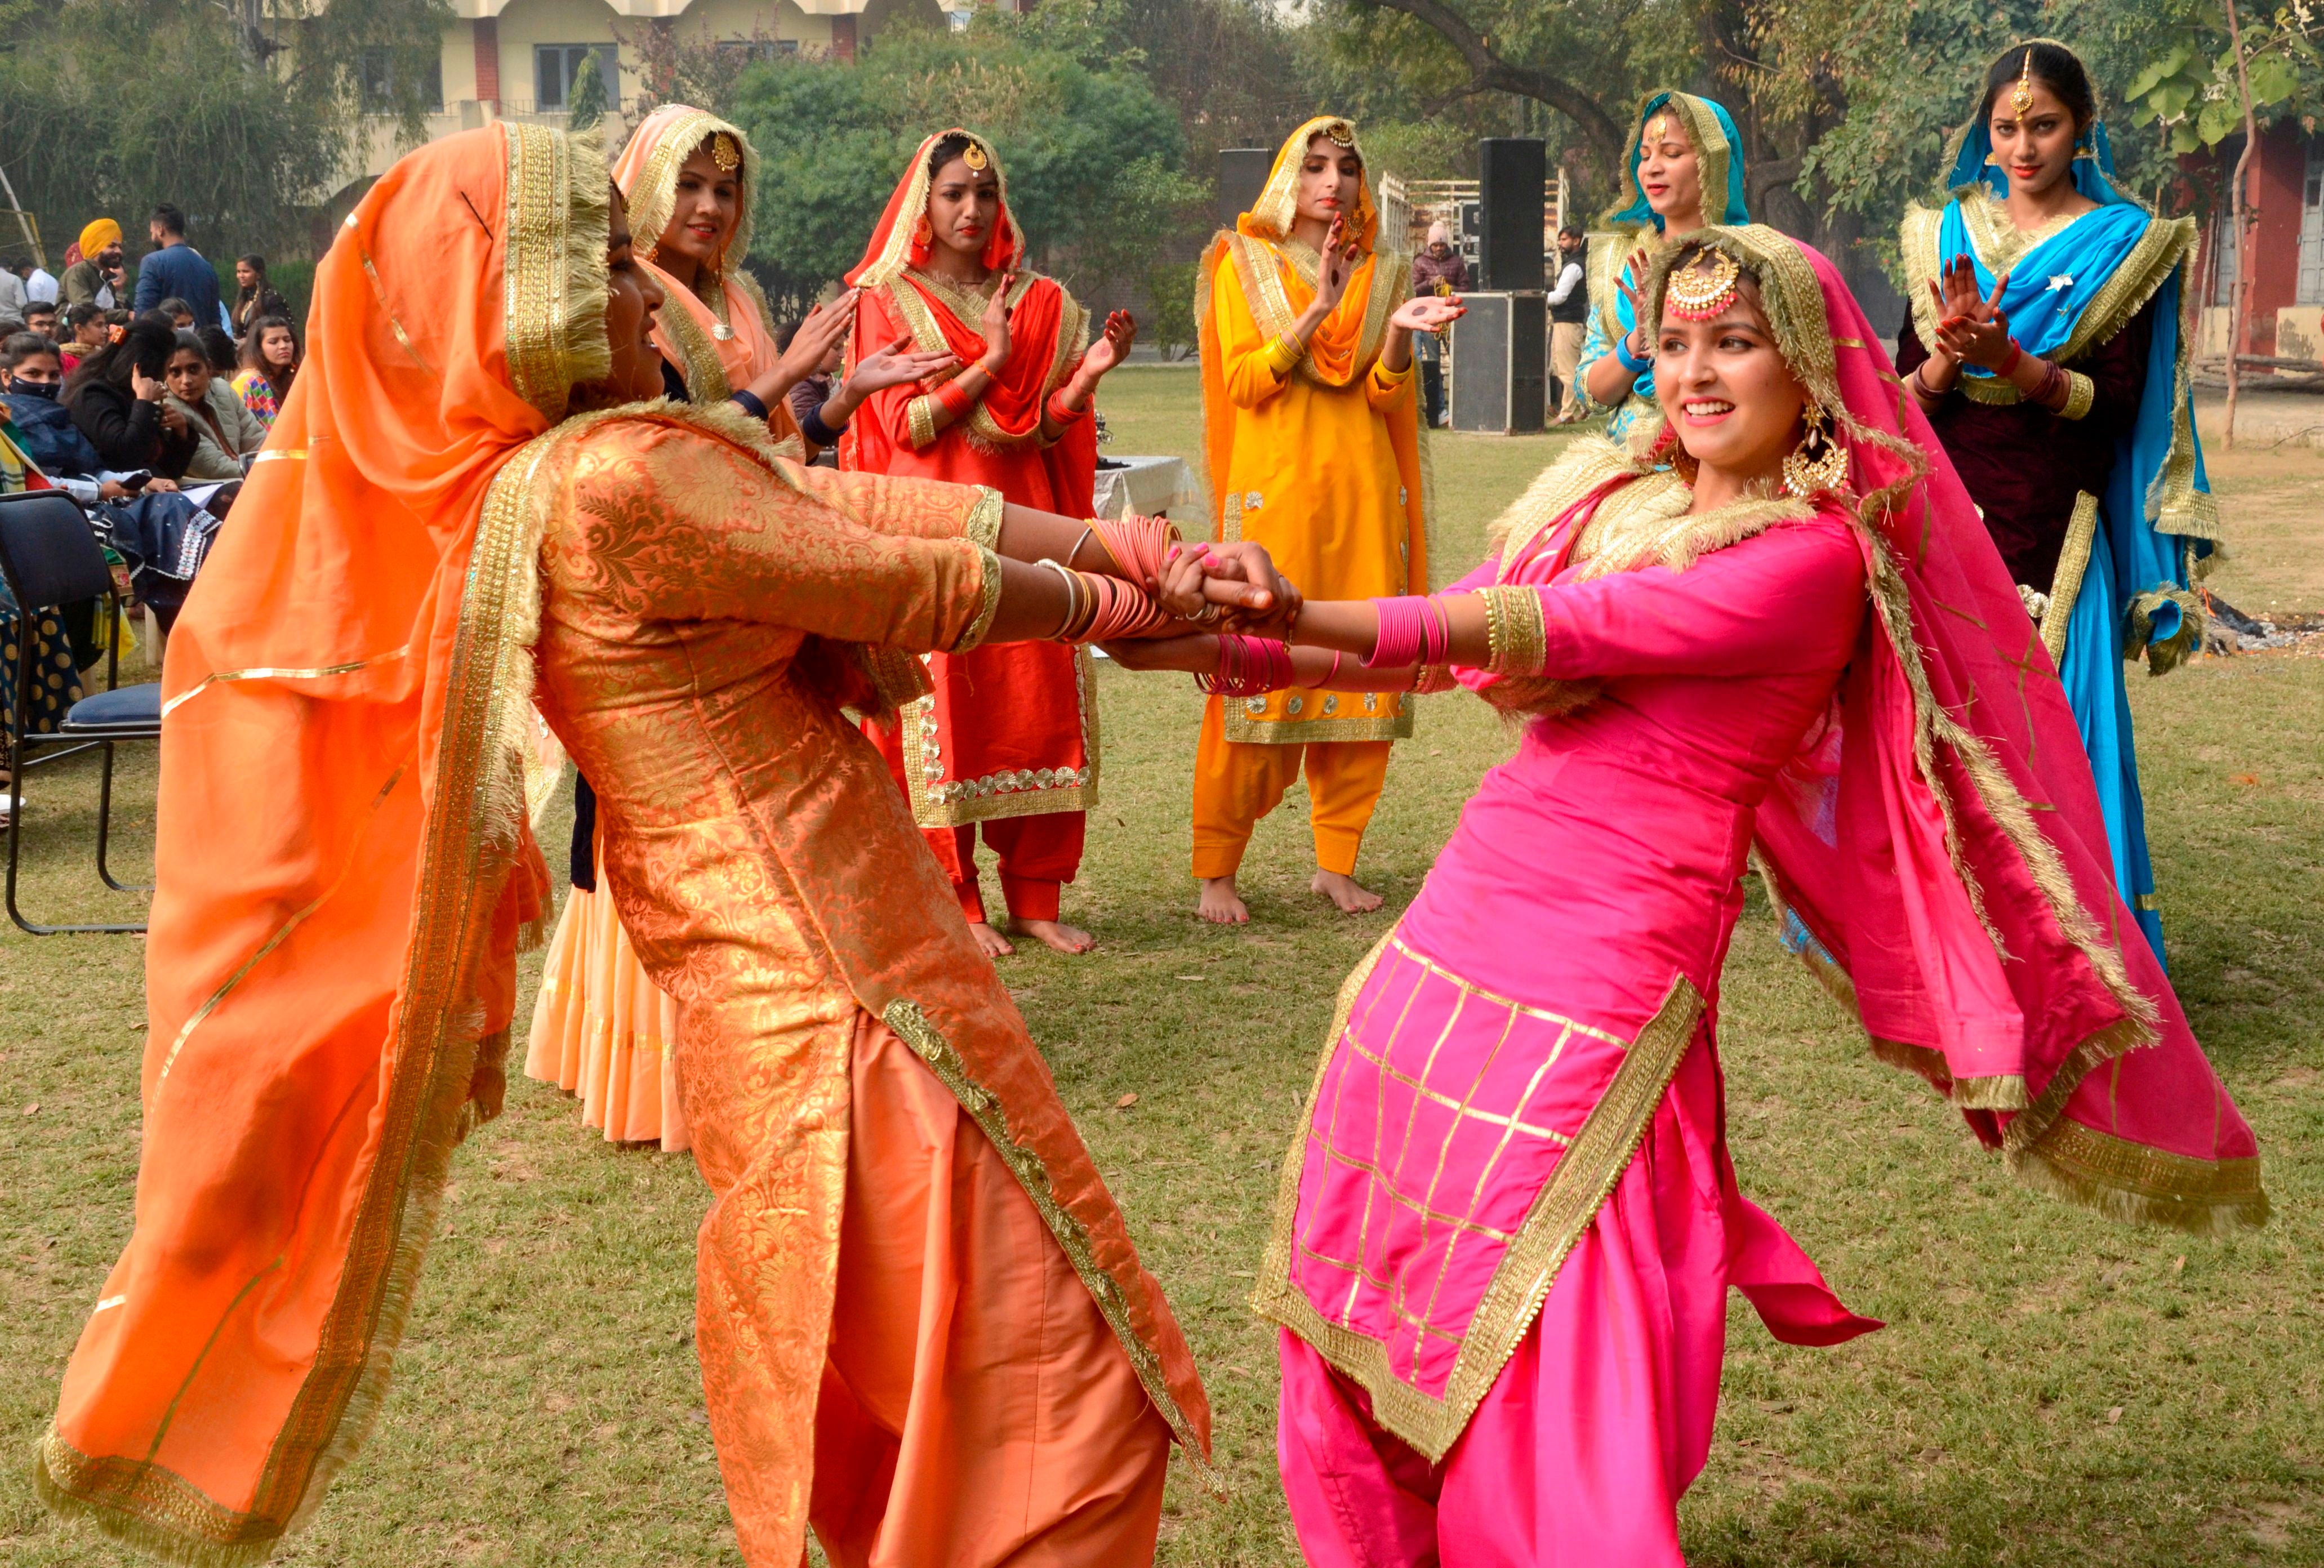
x=90, y=279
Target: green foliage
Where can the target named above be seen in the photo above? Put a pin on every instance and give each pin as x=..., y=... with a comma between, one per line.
x=1093, y=157
x=107, y=106
x=588, y=104
x=2190, y=93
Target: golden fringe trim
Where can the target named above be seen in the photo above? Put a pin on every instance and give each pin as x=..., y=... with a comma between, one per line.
x=2166, y=654
x=1577, y=1188
x=911, y=1026
x=2133, y=1183
x=2066, y=583
x=706, y=373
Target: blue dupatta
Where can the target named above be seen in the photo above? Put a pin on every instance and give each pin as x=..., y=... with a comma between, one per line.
x=1720, y=154
x=2070, y=288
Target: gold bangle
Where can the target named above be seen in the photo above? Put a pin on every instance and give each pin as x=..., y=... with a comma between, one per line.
x=2081, y=391
x=1283, y=353
x=1064, y=633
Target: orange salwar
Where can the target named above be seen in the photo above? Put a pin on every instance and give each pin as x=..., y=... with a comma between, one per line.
x=976, y=1410
x=1236, y=785
x=602, y=1030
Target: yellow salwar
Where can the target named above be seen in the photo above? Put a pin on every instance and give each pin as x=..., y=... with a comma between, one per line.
x=710, y=614
x=1318, y=459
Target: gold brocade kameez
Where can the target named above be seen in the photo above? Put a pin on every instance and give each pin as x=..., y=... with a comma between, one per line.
x=708, y=614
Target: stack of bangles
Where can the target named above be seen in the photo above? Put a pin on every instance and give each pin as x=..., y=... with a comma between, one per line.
x=1062, y=414
x=1105, y=609
x=1248, y=667
x=2054, y=387
x=1412, y=631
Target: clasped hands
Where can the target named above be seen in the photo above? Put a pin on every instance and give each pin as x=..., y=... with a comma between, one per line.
x=1209, y=589
x=1971, y=327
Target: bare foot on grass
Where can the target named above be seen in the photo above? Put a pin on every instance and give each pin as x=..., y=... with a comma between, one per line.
x=1344, y=891
x=1066, y=939
x=1220, y=904
x=990, y=942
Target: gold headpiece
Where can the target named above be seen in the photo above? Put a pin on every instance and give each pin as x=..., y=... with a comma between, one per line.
x=1342, y=134
x=974, y=156
x=725, y=153
x=1704, y=287
x=1658, y=127
x=2021, y=96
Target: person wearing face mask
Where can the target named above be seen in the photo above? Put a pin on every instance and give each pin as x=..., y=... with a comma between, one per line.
x=1686, y=169
x=1773, y=636
x=2045, y=347
x=1311, y=435
x=1007, y=743
x=226, y=433
x=44, y=428
x=922, y=1322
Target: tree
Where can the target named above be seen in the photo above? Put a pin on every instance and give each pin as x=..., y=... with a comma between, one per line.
x=247, y=146
x=1093, y=157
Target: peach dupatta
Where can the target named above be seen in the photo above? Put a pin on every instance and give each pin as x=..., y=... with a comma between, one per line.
x=717, y=344
x=343, y=857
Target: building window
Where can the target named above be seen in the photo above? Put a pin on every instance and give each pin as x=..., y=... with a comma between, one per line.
x=556, y=67
x=378, y=79
x=2311, y=230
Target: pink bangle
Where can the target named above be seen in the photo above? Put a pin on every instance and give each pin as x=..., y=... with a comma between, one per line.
x=1332, y=674
x=1403, y=628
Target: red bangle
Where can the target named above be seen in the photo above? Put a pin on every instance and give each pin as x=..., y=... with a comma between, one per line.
x=2010, y=365
x=1062, y=414
x=954, y=399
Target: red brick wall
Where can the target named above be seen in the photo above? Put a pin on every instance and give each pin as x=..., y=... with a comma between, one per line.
x=2279, y=167
x=488, y=62
x=843, y=37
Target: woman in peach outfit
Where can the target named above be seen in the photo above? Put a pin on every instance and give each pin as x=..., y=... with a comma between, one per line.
x=921, y=1318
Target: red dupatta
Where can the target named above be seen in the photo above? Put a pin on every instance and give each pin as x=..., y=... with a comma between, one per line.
x=1046, y=324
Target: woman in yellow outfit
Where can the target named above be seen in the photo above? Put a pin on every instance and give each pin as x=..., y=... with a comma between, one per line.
x=1312, y=434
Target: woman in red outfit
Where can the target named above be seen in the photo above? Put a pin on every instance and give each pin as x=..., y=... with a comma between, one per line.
x=1009, y=739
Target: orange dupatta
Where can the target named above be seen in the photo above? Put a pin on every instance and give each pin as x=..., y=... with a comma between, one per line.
x=716, y=350
x=343, y=857
x=1277, y=274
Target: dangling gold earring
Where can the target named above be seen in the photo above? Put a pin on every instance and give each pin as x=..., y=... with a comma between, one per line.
x=922, y=235
x=1819, y=463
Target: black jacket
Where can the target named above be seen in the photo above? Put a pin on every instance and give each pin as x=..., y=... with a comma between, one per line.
x=126, y=431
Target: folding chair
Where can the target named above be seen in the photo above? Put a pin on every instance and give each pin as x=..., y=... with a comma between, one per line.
x=50, y=557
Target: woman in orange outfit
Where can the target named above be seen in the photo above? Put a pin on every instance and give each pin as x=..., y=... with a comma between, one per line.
x=1312, y=435
x=1008, y=741
x=602, y=1030
x=922, y=1322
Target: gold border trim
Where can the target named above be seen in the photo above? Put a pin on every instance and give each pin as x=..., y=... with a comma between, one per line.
x=2066, y=582
x=2132, y=1182
x=1576, y=1189
x=912, y=1025
x=940, y=802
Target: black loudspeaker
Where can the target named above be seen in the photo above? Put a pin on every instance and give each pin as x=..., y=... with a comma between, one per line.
x=1242, y=175
x=1500, y=363
x=1512, y=177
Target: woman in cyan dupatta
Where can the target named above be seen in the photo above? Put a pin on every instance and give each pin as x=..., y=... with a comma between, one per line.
x=1686, y=171
x=2044, y=346
x=1007, y=741
x=601, y=1028
x=1311, y=434
x=921, y=1319
x=1508, y=1221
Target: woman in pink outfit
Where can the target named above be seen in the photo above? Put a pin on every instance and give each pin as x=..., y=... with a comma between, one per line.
x=1508, y=1222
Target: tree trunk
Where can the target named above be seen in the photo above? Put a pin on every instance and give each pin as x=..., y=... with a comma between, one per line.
x=2246, y=229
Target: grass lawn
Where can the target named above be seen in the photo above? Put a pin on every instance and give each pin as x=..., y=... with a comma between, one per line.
x=2053, y=1388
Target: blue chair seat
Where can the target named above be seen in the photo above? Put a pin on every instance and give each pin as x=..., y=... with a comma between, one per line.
x=128, y=707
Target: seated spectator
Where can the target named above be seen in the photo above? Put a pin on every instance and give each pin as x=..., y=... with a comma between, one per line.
x=225, y=432
x=180, y=313
x=219, y=343
x=45, y=431
x=11, y=325
x=93, y=279
x=85, y=333
x=253, y=297
x=41, y=317
x=176, y=271
x=13, y=298
x=118, y=399
x=270, y=363
x=40, y=285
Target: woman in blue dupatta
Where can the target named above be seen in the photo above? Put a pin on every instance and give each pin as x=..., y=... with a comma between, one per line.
x=1686, y=171
x=2045, y=346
